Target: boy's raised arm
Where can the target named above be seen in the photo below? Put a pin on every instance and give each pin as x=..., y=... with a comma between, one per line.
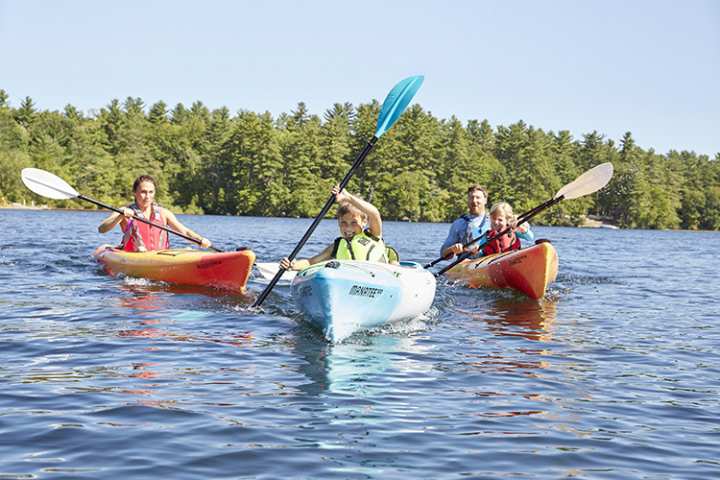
x=373, y=214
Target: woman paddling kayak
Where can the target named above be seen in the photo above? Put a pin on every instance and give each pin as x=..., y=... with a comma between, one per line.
x=139, y=236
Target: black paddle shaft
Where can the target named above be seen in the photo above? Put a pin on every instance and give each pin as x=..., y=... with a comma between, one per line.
x=320, y=216
x=162, y=227
x=521, y=219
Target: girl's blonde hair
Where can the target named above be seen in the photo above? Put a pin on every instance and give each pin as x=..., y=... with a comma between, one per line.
x=504, y=209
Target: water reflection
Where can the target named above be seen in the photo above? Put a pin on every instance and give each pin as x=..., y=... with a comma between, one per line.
x=146, y=385
x=141, y=301
x=511, y=317
x=151, y=308
x=531, y=319
x=146, y=331
x=364, y=364
x=140, y=286
x=155, y=326
x=361, y=366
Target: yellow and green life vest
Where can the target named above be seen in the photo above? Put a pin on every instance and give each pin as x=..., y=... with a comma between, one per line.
x=363, y=246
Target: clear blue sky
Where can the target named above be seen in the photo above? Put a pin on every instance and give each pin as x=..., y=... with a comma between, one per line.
x=650, y=67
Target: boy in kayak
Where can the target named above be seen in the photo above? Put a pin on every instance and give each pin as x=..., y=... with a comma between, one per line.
x=139, y=236
x=469, y=226
x=360, y=237
x=502, y=217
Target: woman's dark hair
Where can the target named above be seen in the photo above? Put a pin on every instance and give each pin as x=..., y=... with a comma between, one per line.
x=141, y=179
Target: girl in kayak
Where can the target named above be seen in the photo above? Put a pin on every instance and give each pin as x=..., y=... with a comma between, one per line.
x=360, y=237
x=139, y=236
x=502, y=217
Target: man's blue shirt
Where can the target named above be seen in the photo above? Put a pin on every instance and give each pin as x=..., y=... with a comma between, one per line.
x=467, y=227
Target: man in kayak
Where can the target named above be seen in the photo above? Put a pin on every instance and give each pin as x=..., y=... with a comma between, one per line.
x=469, y=226
x=502, y=217
x=360, y=237
x=139, y=236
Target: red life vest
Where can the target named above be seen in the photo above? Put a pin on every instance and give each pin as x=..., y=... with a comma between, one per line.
x=139, y=234
x=497, y=244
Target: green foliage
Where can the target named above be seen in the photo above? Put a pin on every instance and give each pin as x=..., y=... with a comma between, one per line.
x=299, y=144
x=254, y=164
x=405, y=201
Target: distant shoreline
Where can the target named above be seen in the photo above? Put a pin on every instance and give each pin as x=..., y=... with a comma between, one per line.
x=588, y=222
x=20, y=206
x=591, y=221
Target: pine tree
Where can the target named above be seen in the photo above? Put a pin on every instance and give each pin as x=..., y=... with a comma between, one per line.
x=25, y=115
x=158, y=113
x=300, y=151
x=251, y=159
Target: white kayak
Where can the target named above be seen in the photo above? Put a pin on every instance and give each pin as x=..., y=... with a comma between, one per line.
x=341, y=297
x=268, y=271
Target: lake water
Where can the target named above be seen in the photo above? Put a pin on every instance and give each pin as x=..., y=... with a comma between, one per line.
x=614, y=375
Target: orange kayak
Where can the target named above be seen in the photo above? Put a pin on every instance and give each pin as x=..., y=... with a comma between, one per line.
x=529, y=270
x=225, y=270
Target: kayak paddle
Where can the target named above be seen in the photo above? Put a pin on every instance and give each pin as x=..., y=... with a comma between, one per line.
x=48, y=185
x=587, y=183
x=394, y=105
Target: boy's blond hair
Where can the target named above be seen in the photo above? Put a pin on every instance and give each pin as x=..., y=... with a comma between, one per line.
x=504, y=209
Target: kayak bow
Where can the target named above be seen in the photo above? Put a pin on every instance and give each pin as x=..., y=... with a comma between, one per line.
x=341, y=297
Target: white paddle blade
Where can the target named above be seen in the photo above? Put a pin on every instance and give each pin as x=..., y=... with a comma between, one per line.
x=587, y=183
x=269, y=270
x=47, y=185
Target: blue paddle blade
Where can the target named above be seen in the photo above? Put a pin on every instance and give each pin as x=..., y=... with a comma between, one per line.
x=396, y=102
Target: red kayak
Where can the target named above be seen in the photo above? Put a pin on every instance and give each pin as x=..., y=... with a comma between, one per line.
x=224, y=270
x=529, y=270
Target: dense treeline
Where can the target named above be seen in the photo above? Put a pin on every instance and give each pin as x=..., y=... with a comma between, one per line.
x=254, y=164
